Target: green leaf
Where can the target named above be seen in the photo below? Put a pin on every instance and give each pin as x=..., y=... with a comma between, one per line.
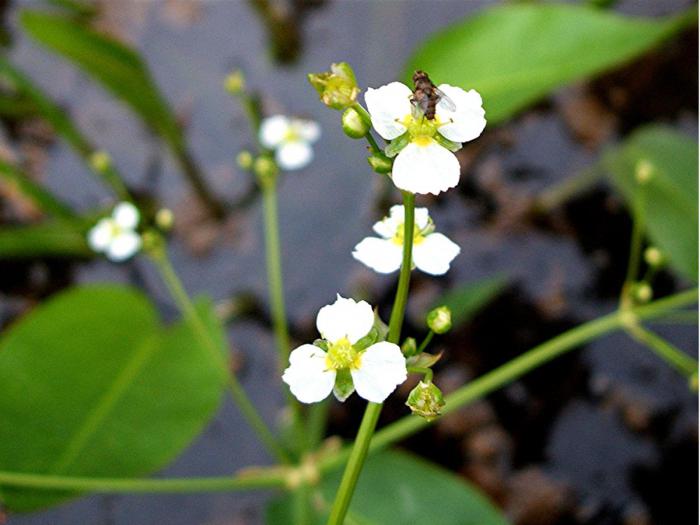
x=515, y=54
x=92, y=385
x=669, y=200
x=465, y=301
x=49, y=239
x=396, y=488
x=117, y=67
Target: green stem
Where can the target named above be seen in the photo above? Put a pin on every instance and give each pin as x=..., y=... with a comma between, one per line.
x=196, y=179
x=518, y=367
x=635, y=248
x=261, y=480
x=369, y=421
x=364, y=115
x=675, y=357
x=236, y=390
x=426, y=342
x=560, y=193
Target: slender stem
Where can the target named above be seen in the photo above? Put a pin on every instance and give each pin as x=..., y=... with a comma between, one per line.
x=316, y=424
x=518, y=367
x=258, y=480
x=237, y=392
x=364, y=115
x=675, y=357
x=426, y=342
x=369, y=421
x=635, y=248
x=560, y=193
x=196, y=179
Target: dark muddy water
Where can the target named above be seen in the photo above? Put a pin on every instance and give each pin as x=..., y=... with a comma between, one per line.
x=605, y=435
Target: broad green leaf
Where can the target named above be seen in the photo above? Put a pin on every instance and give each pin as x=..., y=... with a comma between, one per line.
x=116, y=66
x=515, y=54
x=48, y=239
x=92, y=385
x=466, y=300
x=396, y=488
x=668, y=202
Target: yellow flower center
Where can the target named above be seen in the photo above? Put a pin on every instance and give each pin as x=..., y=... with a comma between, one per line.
x=342, y=355
x=418, y=236
x=420, y=129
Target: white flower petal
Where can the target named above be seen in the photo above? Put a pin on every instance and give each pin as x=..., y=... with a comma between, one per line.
x=126, y=215
x=425, y=169
x=123, y=245
x=308, y=376
x=388, y=226
x=387, y=105
x=382, y=368
x=467, y=122
x=308, y=130
x=100, y=235
x=434, y=254
x=293, y=155
x=382, y=255
x=273, y=131
x=421, y=218
x=345, y=318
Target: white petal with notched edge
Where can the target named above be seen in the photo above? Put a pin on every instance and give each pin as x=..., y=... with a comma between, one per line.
x=126, y=215
x=382, y=368
x=293, y=155
x=388, y=106
x=382, y=255
x=345, y=318
x=467, y=121
x=425, y=169
x=273, y=130
x=434, y=254
x=308, y=376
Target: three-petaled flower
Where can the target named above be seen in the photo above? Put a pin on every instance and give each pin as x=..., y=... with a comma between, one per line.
x=425, y=162
x=432, y=252
x=290, y=139
x=346, y=359
x=116, y=236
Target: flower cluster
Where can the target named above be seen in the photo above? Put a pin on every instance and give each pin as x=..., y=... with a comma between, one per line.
x=116, y=235
x=290, y=139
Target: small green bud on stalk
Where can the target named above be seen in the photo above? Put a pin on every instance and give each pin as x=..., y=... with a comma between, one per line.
x=354, y=125
x=245, y=160
x=153, y=243
x=265, y=168
x=643, y=171
x=653, y=257
x=100, y=161
x=643, y=292
x=380, y=163
x=164, y=219
x=426, y=400
x=234, y=82
x=336, y=88
x=440, y=319
x=409, y=347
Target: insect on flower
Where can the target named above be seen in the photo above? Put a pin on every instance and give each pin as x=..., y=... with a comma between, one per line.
x=426, y=96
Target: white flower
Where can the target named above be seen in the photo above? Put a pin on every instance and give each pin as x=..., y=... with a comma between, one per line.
x=116, y=236
x=432, y=252
x=425, y=162
x=348, y=362
x=291, y=140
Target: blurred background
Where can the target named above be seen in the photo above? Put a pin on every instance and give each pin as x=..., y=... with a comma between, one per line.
x=604, y=435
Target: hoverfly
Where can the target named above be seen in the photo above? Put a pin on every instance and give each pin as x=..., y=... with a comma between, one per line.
x=426, y=96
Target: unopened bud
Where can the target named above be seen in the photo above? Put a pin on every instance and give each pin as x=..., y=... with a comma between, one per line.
x=152, y=242
x=265, y=168
x=234, y=82
x=336, y=88
x=653, y=256
x=100, y=161
x=164, y=219
x=244, y=160
x=643, y=171
x=643, y=292
x=409, y=347
x=426, y=400
x=354, y=125
x=440, y=319
x=380, y=163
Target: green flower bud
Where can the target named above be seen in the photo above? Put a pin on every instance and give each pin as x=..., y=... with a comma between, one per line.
x=354, y=125
x=643, y=292
x=643, y=171
x=440, y=319
x=337, y=88
x=265, y=168
x=100, y=161
x=653, y=256
x=380, y=163
x=164, y=219
x=234, y=82
x=245, y=160
x=152, y=243
x=426, y=400
x=409, y=347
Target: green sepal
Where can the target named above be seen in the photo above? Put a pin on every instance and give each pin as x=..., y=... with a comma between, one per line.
x=343, y=385
x=395, y=146
x=381, y=327
x=423, y=360
x=322, y=344
x=367, y=340
x=446, y=143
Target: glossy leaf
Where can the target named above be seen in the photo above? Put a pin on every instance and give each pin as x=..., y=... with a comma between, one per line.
x=400, y=489
x=465, y=301
x=669, y=200
x=92, y=385
x=48, y=239
x=515, y=54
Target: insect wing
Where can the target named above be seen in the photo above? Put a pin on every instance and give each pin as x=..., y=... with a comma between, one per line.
x=445, y=101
